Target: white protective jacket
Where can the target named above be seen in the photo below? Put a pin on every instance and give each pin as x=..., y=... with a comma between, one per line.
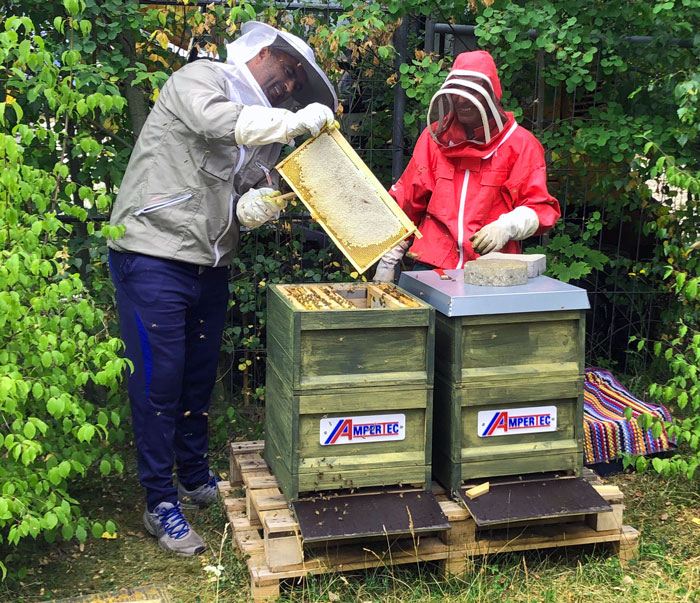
x=187, y=171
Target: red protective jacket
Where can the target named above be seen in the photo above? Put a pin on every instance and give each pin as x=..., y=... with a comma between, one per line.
x=452, y=192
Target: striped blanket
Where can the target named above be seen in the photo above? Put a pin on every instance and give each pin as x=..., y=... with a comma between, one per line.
x=607, y=434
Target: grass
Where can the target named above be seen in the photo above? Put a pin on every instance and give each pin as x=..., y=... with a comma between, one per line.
x=668, y=568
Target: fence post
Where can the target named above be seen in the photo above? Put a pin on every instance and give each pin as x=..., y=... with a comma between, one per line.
x=400, y=43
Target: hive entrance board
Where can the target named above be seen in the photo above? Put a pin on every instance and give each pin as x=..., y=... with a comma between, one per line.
x=534, y=499
x=362, y=515
x=346, y=199
x=346, y=296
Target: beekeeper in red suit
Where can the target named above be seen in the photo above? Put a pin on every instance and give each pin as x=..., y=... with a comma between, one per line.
x=476, y=182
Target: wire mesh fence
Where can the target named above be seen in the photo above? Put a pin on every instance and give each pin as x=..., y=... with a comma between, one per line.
x=370, y=122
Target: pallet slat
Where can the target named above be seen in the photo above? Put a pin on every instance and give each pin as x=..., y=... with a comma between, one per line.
x=266, y=532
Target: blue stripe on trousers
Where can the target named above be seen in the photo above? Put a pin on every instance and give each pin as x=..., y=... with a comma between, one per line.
x=146, y=353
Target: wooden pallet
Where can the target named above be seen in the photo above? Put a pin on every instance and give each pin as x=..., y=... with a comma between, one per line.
x=267, y=534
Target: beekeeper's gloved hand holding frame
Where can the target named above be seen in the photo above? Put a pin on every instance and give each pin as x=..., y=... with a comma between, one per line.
x=386, y=268
x=259, y=205
x=516, y=225
x=258, y=125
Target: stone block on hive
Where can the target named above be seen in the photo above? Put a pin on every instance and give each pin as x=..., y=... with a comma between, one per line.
x=495, y=273
x=536, y=262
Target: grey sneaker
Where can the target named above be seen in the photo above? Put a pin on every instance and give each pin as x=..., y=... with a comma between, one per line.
x=174, y=534
x=203, y=496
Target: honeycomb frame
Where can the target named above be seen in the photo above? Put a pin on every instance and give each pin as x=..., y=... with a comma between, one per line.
x=361, y=257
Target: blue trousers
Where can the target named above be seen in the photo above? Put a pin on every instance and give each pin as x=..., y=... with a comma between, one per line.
x=171, y=316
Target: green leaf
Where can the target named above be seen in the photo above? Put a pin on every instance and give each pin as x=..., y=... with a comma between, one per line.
x=38, y=390
x=105, y=467
x=86, y=432
x=54, y=475
x=64, y=468
x=97, y=529
x=81, y=534
x=25, y=49
x=46, y=359
x=55, y=406
x=50, y=521
x=72, y=6
x=29, y=431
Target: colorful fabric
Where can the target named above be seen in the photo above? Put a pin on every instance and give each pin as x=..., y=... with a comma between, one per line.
x=607, y=433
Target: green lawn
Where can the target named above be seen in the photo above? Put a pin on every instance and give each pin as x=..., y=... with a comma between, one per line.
x=665, y=511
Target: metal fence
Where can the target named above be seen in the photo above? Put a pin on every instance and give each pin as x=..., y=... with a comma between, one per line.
x=618, y=308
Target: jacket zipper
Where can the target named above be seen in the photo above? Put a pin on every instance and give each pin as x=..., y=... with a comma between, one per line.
x=506, y=137
x=460, y=227
x=217, y=253
x=156, y=206
x=463, y=196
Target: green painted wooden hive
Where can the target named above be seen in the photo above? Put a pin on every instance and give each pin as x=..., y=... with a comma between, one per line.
x=349, y=388
x=509, y=365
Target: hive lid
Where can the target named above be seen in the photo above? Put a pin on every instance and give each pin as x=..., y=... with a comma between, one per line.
x=346, y=199
x=454, y=297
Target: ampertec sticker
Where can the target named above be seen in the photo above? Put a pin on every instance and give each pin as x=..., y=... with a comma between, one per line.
x=515, y=421
x=362, y=430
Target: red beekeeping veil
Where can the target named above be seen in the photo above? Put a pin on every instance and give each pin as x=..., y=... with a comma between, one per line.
x=467, y=107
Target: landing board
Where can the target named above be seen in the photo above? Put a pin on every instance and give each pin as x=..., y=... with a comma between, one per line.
x=534, y=499
x=325, y=518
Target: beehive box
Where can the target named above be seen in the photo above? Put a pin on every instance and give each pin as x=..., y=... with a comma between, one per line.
x=349, y=387
x=346, y=199
x=508, y=379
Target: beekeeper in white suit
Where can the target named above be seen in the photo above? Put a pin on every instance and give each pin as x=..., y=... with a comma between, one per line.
x=200, y=168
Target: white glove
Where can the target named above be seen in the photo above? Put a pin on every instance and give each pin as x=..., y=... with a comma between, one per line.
x=311, y=119
x=257, y=125
x=386, y=268
x=257, y=206
x=516, y=225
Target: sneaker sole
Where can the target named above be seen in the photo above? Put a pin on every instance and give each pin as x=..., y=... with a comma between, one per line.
x=154, y=533
x=197, y=551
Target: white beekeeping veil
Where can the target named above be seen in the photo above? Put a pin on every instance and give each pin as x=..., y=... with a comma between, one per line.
x=465, y=109
x=255, y=36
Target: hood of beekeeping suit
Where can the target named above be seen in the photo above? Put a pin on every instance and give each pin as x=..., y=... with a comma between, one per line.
x=466, y=113
x=255, y=36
